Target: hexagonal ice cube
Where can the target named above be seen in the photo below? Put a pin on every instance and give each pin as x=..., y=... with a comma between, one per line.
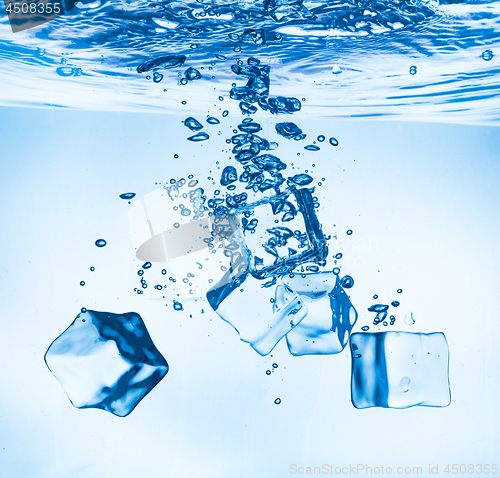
x=330, y=317
x=106, y=361
x=399, y=370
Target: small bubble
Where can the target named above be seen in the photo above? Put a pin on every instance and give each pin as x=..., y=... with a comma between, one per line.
x=148, y=77
x=268, y=372
x=183, y=81
x=349, y=232
x=347, y=282
x=395, y=303
x=193, y=46
x=365, y=328
x=275, y=365
x=375, y=296
x=83, y=309
x=100, y=243
x=336, y=271
x=237, y=49
x=176, y=225
x=225, y=113
x=333, y=141
x=184, y=102
x=92, y=268
x=487, y=55
x=146, y=265
x=176, y=156
x=140, y=272
x=338, y=256
x=127, y=196
x=178, y=305
x=399, y=291
x=321, y=138
x=82, y=283
x=413, y=70
x=277, y=401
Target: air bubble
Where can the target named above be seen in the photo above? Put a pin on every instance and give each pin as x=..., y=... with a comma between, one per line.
x=178, y=305
x=487, y=55
x=127, y=196
x=100, y=243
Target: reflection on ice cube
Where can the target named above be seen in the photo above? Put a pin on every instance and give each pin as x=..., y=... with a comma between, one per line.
x=399, y=370
x=106, y=361
x=330, y=317
x=261, y=315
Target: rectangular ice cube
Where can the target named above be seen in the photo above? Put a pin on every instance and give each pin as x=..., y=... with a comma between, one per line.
x=106, y=361
x=330, y=314
x=399, y=370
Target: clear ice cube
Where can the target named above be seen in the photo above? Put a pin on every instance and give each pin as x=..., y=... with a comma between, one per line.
x=170, y=226
x=330, y=317
x=106, y=361
x=261, y=315
x=399, y=370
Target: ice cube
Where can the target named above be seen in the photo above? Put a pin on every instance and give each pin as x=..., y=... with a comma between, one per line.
x=278, y=248
x=399, y=370
x=330, y=317
x=168, y=228
x=261, y=315
x=106, y=361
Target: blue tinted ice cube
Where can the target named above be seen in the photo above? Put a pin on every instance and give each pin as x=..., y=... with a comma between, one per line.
x=399, y=370
x=330, y=317
x=261, y=315
x=106, y=361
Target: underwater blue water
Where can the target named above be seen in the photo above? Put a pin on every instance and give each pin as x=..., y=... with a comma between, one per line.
x=420, y=204
x=440, y=59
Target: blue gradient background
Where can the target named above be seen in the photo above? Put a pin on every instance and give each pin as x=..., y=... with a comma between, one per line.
x=423, y=202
